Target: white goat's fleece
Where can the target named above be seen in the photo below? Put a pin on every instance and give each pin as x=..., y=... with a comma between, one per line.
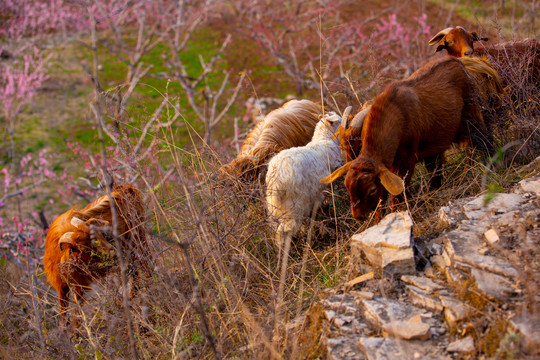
x=293, y=178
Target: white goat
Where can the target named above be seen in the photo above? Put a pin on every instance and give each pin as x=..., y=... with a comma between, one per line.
x=293, y=179
x=293, y=184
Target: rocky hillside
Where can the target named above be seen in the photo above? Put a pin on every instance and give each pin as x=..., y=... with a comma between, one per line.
x=470, y=292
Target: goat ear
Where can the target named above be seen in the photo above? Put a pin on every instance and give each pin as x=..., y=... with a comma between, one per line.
x=336, y=174
x=66, y=238
x=441, y=46
x=331, y=118
x=441, y=34
x=391, y=182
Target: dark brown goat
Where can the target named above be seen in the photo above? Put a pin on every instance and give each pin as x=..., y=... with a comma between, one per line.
x=414, y=119
x=508, y=57
x=77, y=252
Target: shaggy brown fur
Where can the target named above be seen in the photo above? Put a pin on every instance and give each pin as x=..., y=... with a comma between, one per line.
x=289, y=126
x=413, y=119
x=72, y=258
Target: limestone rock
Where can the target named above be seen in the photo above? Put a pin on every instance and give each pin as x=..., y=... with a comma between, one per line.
x=451, y=215
x=501, y=203
x=380, y=311
x=408, y=330
x=454, y=310
x=343, y=348
x=422, y=283
x=465, y=345
x=531, y=185
x=376, y=348
x=493, y=285
x=461, y=249
x=492, y=237
x=529, y=328
x=342, y=303
x=421, y=298
x=387, y=246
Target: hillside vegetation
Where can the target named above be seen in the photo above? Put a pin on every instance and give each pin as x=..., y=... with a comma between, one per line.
x=159, y=94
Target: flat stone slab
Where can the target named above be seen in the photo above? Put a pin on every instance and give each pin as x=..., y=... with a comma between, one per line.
x=461, y=249
x=423, y=299
x=394, y=231
x=493, y=285
x=528, y=326
x=343, y=348
x=500, y=204
x=342, y=304
x=454, y=310
x=378, y=348
x=408, y=330
x=421, y=282
x=380, y=311
x=531, y=185
x=387, y=245
x=465, y=345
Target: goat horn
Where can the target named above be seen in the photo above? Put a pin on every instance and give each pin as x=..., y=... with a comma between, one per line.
x=345, y=117
x=439, y=36
x=358, y=119
x=66, y=238
x=75, y=221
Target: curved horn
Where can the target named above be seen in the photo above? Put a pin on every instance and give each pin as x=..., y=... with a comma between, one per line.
x=358, y=119
x=75, y=221
x=66, y=238
x=345, y=117
x=439, y=36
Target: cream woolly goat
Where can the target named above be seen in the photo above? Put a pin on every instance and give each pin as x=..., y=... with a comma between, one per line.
x=293, y=183
x=290, y=125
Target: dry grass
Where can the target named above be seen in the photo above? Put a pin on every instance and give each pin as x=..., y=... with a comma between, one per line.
x=214, y=285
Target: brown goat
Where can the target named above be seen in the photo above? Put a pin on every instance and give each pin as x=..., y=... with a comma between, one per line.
x=505, y=56
x=413, y=119
x=77, y=252
x=291, y=125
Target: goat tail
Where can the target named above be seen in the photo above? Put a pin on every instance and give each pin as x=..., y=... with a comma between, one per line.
x=485, y=78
